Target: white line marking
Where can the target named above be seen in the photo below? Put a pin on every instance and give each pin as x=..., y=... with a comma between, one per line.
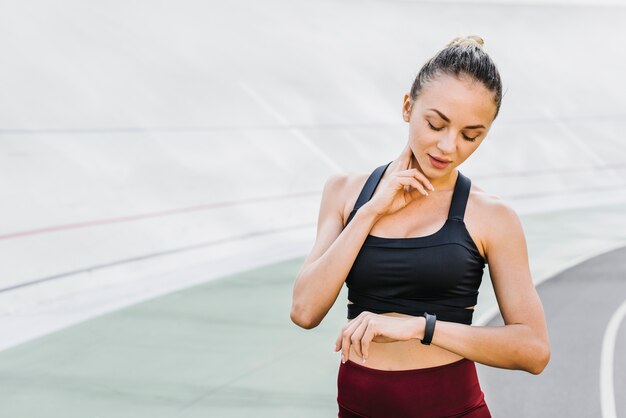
x=297, y=133
x=607, y=391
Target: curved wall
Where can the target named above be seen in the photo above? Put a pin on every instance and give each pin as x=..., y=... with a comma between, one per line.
x=148, y=147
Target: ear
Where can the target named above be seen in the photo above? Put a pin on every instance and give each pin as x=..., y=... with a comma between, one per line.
x=406, y=108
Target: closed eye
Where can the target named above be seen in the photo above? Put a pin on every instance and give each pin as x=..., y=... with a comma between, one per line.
x=433, y=128
x=468, y=138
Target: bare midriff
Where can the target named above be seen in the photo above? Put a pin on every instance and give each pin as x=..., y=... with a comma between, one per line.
x=404, y=355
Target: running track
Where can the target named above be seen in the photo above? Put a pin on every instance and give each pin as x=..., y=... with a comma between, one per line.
x=228, y=349
x=579, y=303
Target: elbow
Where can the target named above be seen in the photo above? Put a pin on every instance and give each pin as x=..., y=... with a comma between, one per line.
x=539, y=360
x=302, y=319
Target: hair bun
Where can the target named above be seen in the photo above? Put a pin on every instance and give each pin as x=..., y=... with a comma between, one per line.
x=467, y=40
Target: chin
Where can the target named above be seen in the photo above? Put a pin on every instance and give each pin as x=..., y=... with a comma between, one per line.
x=432, y=171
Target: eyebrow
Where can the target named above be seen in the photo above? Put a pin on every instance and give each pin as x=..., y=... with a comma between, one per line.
x=444, y=117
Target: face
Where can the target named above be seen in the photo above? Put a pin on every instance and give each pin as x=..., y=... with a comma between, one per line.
x=448, y=121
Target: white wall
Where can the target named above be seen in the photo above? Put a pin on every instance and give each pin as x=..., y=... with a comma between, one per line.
x=141, y=138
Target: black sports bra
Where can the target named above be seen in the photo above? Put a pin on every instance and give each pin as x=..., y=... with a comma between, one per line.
x=438, y=273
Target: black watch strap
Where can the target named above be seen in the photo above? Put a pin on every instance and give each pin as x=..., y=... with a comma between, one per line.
x=430, y=328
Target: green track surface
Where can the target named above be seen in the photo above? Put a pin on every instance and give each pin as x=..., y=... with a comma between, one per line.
x=223, y=349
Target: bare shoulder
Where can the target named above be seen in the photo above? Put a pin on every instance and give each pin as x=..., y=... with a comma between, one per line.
x=349, y=186
x=338, y=192
x=491, y=218
x=492, y=204
x=343, y=190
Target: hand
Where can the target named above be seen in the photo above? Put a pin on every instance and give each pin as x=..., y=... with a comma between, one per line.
x=395, y=190
x=369, y=326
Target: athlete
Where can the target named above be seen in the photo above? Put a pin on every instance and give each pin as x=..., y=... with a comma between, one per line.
x=410, y=241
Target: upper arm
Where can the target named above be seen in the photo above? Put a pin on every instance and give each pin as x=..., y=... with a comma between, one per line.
x=330, y=218
x=509, y=268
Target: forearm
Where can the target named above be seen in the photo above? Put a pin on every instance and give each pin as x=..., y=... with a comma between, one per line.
x=513, y=346
x=317, y=286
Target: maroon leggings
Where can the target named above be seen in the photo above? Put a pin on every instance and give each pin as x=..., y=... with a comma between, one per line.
x=451, y=390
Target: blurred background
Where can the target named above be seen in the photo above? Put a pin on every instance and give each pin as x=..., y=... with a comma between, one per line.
x=161, y=168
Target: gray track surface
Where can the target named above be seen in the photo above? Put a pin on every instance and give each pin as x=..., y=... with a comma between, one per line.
x=578, y=304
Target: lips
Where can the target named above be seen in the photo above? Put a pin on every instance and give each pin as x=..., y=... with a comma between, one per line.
x=439, y=164
x=442, y=160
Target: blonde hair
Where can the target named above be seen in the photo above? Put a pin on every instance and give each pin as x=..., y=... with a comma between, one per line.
x=467, y=40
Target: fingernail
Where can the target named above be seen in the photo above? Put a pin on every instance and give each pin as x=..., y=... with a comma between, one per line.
x=343, y=360
x=363, y=360
x=432, y=187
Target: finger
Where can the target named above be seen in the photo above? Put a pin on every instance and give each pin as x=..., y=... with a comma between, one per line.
x=345, y=345
x=357, y=335
x=347, y=334
x=421, y=177
x=365, y=343
x=415, y=173
x=410, y=181
x=409, y=154
x=404, y=159
x=338, y=341
x=340, y=337
x=345, y=341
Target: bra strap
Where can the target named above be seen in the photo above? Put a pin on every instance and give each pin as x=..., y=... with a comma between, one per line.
x=368, y=189
x=459, y=197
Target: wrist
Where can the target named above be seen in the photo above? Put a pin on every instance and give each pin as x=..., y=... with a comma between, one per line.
x=370, y=213
x=419, y=327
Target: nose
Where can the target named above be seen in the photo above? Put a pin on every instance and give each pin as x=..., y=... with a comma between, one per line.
x=447, y=143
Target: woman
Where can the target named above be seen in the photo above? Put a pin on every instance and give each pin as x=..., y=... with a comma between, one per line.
x=410, y=240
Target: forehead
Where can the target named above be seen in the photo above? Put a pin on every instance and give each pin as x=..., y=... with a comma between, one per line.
x=463, y=99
